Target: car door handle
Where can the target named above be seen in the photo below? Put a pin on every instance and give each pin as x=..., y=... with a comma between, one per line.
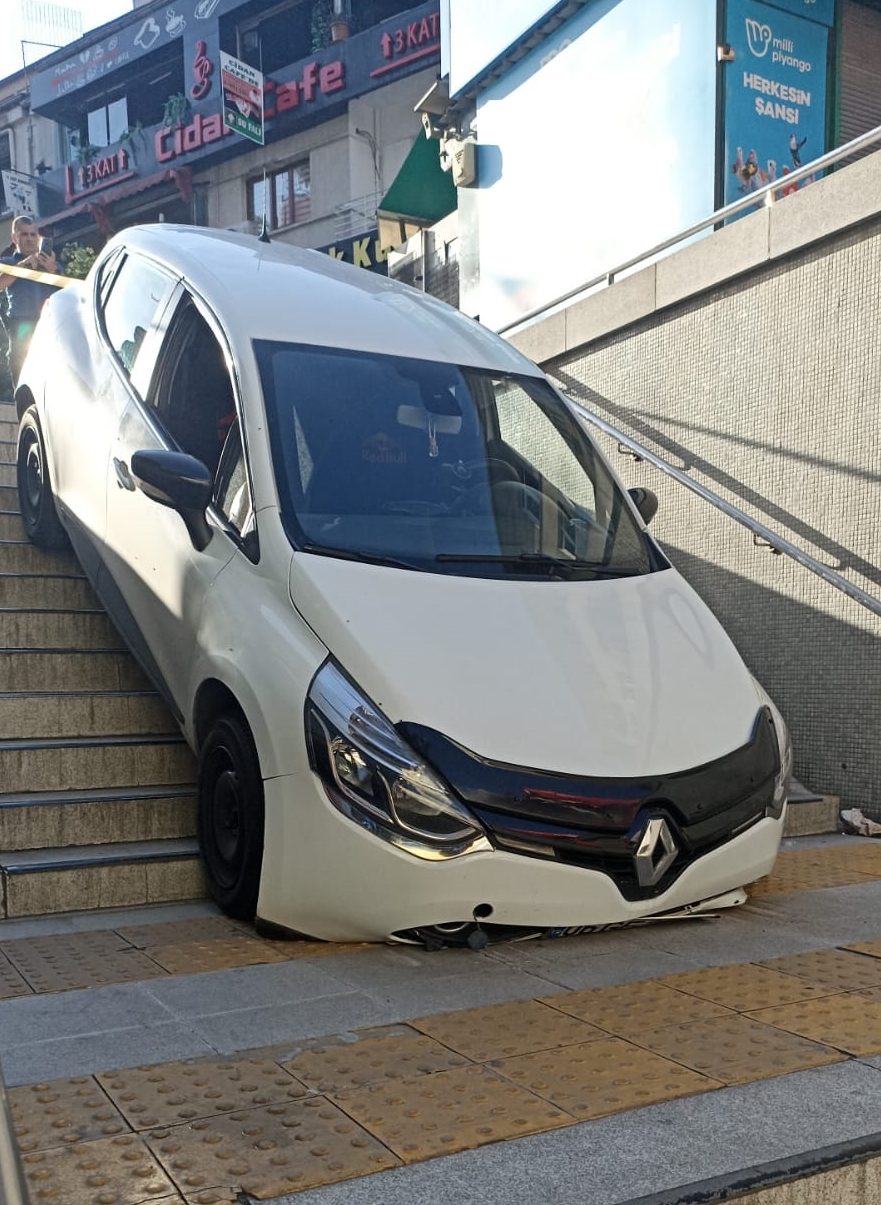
x=124, y=479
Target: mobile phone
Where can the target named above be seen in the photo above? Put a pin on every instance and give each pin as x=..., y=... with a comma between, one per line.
x=46, y=245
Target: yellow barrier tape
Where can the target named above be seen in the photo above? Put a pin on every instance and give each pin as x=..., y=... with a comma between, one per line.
x=45, y=278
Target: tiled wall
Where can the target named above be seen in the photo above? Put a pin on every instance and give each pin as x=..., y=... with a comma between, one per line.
x=753, y=360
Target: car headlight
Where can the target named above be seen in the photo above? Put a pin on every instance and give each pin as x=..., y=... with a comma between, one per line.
x=372, y=776
x=784, y=748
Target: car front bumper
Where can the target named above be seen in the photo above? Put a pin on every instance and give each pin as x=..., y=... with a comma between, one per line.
x=325, y=877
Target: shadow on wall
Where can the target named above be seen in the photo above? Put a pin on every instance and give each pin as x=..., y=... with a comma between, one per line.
x=822, y=673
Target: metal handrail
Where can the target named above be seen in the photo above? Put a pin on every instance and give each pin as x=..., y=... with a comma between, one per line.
x=776, y=542
x=13, y=1189
x=766, y=195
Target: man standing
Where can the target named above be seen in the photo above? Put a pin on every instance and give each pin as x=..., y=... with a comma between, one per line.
x=25, y=297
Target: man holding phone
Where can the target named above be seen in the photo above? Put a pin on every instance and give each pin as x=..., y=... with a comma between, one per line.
x=25, y=297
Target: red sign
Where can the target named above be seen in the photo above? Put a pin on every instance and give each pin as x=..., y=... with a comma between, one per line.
x=94, y=176
x=409, y=42
x=203, y=69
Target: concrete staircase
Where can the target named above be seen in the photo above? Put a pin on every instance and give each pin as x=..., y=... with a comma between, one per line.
x=97, y=807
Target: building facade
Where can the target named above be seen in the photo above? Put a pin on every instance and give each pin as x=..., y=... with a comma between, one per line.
x=141, y=120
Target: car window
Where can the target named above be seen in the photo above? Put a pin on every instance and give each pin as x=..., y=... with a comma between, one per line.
x=232, y=492
x=192, y=391
x=129, y=306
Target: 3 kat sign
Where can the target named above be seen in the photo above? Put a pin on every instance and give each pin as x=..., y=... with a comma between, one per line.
x=242, y=97
x=775, y=91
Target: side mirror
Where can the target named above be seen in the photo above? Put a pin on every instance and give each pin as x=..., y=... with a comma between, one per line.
x=646, y=502
x=178, y=481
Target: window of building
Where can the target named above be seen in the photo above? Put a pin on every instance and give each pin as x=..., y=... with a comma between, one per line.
x=6, y=203
x=107, y=122
x=284, y=196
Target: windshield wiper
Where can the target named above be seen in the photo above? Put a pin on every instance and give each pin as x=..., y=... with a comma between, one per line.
x=352, y=554
x=539, y=561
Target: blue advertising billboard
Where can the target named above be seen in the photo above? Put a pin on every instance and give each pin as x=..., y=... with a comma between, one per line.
x=775, y=91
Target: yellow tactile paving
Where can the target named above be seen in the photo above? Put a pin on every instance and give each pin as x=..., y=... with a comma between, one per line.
x=65, y=962
x=500, y=1030
x=838, y=970
x=11, y=981
x=270, y=1151
x=449, y=1111
x=62, y=1113
x=629, y=1009
x=348, y=1065
x=108, y=1171
x=872, y=948
x=172, y=932
x=170, y=1093
x=603, y=1077
x=849, y=1022
x=737, y=1050
x=744, y=986
x=215, y=954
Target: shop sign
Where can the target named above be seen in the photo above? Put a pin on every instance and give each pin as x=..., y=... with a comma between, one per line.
x=775, y=95
x=364, y=251
x=96, y=175
x=242, y=87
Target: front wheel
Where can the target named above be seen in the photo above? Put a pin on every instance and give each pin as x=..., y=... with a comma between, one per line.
x=230, y=809
x=35, y=499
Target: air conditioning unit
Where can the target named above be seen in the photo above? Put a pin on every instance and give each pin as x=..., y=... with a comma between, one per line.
x=459, y=156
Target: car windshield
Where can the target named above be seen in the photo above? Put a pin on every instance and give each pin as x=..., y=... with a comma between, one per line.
x=441, y=468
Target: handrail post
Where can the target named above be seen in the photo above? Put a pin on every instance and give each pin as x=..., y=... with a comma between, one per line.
x=13, y=1189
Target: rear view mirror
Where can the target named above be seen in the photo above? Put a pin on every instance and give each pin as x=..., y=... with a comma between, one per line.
x=646, y=502
x=424, y=420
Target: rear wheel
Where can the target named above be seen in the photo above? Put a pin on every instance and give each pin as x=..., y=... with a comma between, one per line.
x=35, y=499
x=231, y=809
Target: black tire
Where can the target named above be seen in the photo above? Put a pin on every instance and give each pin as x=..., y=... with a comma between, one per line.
x=230, y=812
x=35, y=499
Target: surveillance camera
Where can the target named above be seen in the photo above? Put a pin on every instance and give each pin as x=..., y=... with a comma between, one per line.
x=431, y=127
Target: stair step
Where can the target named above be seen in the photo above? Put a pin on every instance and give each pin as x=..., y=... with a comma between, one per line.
x=45, y=629
x=811, y=814
x=24, y=671
x=8, y=498
x=85, y=762
x=23, y=557
x=81, y=878
x=50, y=592
x=61, y=819
x=8, y=428
x=83, y=713
x=8, y=447
x=7, y=474
x=11, y=526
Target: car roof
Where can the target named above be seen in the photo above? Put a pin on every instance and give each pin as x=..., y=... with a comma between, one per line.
x=273, y=290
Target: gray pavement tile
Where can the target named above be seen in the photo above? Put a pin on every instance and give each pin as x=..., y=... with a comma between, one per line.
x=618, y=1159
x=389, y=966
x=109, y=1050
x=96, y=1010
x=567, y=963
x=107, y=918
x=292, y=1022
x=491, y=983
x=242, y=988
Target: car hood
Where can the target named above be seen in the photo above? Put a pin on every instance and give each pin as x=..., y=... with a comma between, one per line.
x=616, y=677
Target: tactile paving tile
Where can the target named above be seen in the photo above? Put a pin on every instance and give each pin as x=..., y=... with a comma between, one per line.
x=215, y=954
x=74, y=960
x=849, y=1022
x=270, y=1151
x=449, y=1111
x=840, y=970
x=737, y=1050
x=603, y=1077
x=11, y=982
x=872, y=948
x=108, y=1171
x=353, y=1064
x=745, y=986
x=629, y=1009
x=170, y=1093
x=506, y=1029
x=61, y=1113
x=172, y=932
x=808, y=877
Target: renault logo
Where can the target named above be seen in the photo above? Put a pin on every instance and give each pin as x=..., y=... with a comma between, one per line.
x=657, y=851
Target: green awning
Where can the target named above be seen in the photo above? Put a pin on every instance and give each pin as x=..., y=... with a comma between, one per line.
x=422, y=192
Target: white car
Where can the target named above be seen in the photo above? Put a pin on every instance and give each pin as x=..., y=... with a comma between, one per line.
x=442, y=684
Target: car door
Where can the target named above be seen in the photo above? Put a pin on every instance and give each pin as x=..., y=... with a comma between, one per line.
x=161, y=579
x=102, y=352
